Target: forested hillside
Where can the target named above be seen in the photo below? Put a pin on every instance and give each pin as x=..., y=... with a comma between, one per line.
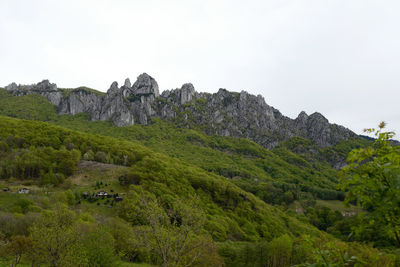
x=297, y=164
x=175, y=196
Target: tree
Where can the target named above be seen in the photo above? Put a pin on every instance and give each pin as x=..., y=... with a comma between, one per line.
x=280, y=251
x=56, y=239
x=125, y=244
x=98, y=245
x=172, y=232
x=17, y=247
x=372, y=179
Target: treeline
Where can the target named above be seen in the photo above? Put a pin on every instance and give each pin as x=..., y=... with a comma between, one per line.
x=53, y=231
x=59, y=236
x=231, y=212
x=32, y=107
x=45, y=164
x=172, y=214
x=284, y=193
x=50, y=154
x=296, y=162
x=303, y=251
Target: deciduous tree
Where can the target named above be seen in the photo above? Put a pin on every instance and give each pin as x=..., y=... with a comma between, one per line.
x=372, y=179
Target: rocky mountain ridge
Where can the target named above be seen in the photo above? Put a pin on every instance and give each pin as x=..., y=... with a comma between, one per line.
x=224, y=113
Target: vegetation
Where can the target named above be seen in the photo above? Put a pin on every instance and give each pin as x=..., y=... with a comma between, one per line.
x=230, y=213
x=67, y=92
x=296, y=168
x=373, y=181
x=247, y=164
x=31, y=107
x=175, y=197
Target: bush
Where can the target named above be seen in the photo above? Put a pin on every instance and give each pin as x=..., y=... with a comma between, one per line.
x=280, y=251
x=100, y=156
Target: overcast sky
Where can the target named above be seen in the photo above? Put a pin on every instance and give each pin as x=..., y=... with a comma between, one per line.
x=340, y=58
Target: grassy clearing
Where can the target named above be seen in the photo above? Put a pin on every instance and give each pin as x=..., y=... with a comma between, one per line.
x=338, y=205
x=90, y=172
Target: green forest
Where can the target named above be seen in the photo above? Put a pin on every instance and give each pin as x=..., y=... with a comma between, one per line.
x=76, y=192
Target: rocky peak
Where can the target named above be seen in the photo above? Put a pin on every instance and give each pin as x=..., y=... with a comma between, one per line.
x=187, y=93
x=127, y=83
x=44, y=85
x=145, y=85
x=261, y=100
x=323, y=133
x=243, y=95
x=113, y=88
x=221, y=95
x=318, y=118
x=11, y=87
x=224, y=113
x=302, y=117
x=222, y=92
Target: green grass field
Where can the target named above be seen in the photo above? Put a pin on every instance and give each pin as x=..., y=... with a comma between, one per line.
x=338, y=205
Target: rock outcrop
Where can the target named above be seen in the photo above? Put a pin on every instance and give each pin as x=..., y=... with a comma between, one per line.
x=223, y=113
x=45, y=88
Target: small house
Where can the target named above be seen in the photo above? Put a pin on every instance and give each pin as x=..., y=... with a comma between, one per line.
x=118, y=198
x=348, y=213
x=23, y=191
x=299, y=210
x=6, y=189
x=102, y=194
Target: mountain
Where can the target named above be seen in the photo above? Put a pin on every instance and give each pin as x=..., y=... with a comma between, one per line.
x=255, y=204
x=63, y=172
x=223, y=113
x=186, y=125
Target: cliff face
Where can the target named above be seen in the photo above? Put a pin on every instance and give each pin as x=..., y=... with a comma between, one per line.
x=224, y=113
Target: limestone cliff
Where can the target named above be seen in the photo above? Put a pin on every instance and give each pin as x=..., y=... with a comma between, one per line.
x=223, y=113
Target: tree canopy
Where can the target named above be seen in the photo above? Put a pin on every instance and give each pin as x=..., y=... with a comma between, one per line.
x=372, y=179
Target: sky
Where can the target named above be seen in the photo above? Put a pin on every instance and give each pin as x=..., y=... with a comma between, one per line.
x=338, y=57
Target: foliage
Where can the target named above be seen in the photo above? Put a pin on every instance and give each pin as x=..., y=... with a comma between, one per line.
x=98, y=246
x=248, y=164
x=302, y=251
x=184, y=194
x=125, y=243
x=66, y=92
x=173, y=234
x=231, y=212
x=57, y=240
x=16, y=248
x=24, y=162
x=280, y=251
x=296, y=164
x=372, y=179
x=33, y=107
x=323, y=217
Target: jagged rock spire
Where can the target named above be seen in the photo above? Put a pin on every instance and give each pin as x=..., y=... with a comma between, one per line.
x=145, y=85
x=187, y=93
x=302, y=117
x=225, y=113
x=127, y=83
x=113, y=88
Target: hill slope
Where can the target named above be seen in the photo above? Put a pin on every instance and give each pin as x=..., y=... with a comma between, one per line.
x=38, y=154
x=244, y=216
x=296, y=165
